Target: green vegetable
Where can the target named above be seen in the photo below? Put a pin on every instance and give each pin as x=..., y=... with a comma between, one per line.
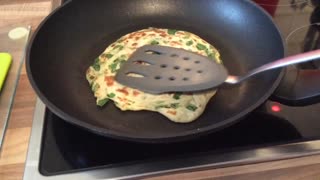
x=118, y=46
x=96, y=67
x=162, y=106
x=113, y=67
x=111, y=95
x=211, y=55
x=102, y=102
x=116, y=60
x=122, y=62
x=96, y=64
x=191, y=107
x=97, y=60
x=207, y=52
x=172, y=31
x=120, y=40
x=90, y=78
x=95, y=87
x=201, y=46
x=174, y=105
x=154, y=42
x=107, y=55
x=177, y=96
x=189, y=43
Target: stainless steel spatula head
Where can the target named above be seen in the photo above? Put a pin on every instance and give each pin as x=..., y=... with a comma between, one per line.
x=158, y=69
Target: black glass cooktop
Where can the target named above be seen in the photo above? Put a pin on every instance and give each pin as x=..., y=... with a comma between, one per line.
x=67, y=148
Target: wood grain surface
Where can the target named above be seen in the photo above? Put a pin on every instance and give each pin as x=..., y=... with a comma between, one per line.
x=13, y=154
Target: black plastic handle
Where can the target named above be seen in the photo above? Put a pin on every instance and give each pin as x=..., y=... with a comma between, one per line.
x=299, y=87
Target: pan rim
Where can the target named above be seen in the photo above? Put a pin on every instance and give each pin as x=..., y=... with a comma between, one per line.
x=185, y=135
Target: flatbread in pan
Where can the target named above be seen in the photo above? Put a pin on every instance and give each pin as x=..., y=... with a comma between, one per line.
x=178, y=107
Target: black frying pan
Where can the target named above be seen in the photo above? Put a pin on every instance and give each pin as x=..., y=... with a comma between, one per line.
x=68, y=41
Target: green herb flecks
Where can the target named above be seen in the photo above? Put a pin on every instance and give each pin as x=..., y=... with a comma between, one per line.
x=207, y=51
x=172, y=31
x=172, y=105
x=96, y=64
x=177, y=96
x=95, y=87
x=114, y=65
x=107, y=56
x=120, y=47
x=201, y=47
x=191, y=107
x=90, y=77
x=161, y=106
x=111, y=95
x=120, y=40
x=211, y=56
x=102, y=102
x=154, y=42
x=189, y=43
x=121, y=62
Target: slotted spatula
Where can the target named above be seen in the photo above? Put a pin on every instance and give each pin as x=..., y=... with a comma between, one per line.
x=158, y=69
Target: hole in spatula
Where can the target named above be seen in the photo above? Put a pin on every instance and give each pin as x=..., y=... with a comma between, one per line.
x=157, y=77
x=152, y=52
x=163, y=65
x=172, y=78
x=132, y=74
x=174, y=55
x=140, y=62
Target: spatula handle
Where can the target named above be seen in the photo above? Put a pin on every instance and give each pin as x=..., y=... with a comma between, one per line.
x=295, y=59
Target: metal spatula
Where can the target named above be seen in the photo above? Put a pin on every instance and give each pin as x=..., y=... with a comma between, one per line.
x=158, y=69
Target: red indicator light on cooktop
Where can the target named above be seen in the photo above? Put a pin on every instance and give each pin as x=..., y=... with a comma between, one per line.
x=275, y=108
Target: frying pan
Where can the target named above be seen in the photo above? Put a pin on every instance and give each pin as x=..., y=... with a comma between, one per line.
x=69, y=39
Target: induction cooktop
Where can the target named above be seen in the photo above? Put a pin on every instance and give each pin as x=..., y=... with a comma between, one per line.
x=59, y=150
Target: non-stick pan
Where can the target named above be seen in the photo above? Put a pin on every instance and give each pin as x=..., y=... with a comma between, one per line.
x=69, y=39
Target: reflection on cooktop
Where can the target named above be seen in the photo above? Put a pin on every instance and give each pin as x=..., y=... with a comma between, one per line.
x=66, y=147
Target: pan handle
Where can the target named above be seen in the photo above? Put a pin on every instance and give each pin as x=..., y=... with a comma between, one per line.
x=299, y=87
